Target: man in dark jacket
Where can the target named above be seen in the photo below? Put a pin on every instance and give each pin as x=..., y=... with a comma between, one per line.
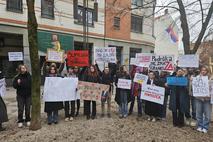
x=3, y=109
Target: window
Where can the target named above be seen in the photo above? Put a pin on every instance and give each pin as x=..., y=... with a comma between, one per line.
x=137, y=2
x=116, y=23
x=47, y=9
x=136, y=23
x=89, y=16
x=14, y=5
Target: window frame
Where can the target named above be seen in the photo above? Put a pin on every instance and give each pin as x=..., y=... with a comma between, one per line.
x=135, y=3
x=48, y=16
x=117, y=23
x=16, y=10
x=134, y=28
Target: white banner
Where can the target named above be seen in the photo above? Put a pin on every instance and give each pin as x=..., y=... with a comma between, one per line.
x=15, y=56
x=55, y=56
x=2, y=87
x=105, y=54
x=188, y=61
x=57, y=89
x=140, y=78
x=124, y=84
x=200, y=86
x=153, y=93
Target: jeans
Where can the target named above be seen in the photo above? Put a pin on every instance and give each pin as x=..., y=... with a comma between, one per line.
x=203, y=113
x=67, y=109
x=108, y=105
x=24, y=104
x=123, y=103
x=52, y=116
x=133, y=103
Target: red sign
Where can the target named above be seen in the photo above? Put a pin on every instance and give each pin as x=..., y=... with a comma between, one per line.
x=78, y=58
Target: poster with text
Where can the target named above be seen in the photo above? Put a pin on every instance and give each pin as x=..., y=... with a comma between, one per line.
x=2, y=87
x=200, y=86
x=140, y=78
x=124, y=83
x=15, y=56
x=105, y=54
x=162, y=63
x=55, y=56
x=188, y=61
x=78, y=58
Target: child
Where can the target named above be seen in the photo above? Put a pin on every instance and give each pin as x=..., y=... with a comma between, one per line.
x=22, y=83
x=203, y=108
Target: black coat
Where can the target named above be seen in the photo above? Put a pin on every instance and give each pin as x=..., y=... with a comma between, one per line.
x=3, y=109
x=24, y=88
x=53, y=106
x=93, y=79
x=118, y=90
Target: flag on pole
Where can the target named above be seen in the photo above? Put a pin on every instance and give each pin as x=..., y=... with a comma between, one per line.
x=172, y=34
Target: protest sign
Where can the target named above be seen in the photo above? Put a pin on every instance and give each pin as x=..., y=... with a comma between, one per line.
x=57, y=89
x=105, y=54
x=211, y=90
x=55, y=56
x=78, y=58
x=15, y=56
x=162, y=63
x=2, y=87
x=143, y=59
x=153, y=94
x=124, y=84
x=200, y=86
x=140, y=78
x=91, y=91
x=133, y=61
x=188, y=61
x=177, y=81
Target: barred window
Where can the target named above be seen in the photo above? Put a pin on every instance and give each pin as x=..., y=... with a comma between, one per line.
x=47, y=9
x=14, y=5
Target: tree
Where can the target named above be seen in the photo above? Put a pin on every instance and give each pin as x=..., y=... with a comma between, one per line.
x=35, y=65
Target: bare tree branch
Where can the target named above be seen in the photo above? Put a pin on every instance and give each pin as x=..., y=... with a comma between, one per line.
x=201, y=8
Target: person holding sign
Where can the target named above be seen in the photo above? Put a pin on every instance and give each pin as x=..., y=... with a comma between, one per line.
x=22, y=83
x=203, y=105
x=122, y=95
x=92, y=75
x=51, y=108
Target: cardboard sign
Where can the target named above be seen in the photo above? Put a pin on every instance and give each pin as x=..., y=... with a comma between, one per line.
x=124, y=84
x=177, y=81
x=55, y=56
x=200, y=86
x=15, y=56
x=188, y=61
x=153, y=94
x=2, y=87
x=144, y=59
x=140, y=78
x=105, y=54
x=211, y=90
x=162, y=63
x=57, y=89
x=91, y=91
x=78, y=58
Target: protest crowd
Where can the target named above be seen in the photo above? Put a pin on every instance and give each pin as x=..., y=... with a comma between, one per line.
x=185, y=90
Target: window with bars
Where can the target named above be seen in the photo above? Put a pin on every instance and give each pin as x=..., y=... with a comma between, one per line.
x=14, y=5
x=90, y=17
x=47, y=9
x=137, y=2
x=136, y=23
x=117, y=23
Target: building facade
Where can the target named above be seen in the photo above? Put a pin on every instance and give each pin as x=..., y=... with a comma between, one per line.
x=130, y=32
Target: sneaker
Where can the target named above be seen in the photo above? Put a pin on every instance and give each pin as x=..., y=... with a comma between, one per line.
x=66, y=119
x=28, y=124
x=205, y=131
x=154, y=120
x=199, y=129
x=20, y=125
x=193, y=123
x=187, y=122
x=71, y=118
x=149, y=119
x=49, y=123
x=56, y=122
x=125, y=116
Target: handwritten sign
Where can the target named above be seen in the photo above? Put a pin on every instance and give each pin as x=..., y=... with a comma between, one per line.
x=57, y=89
x=188, y=61
x=55, y=56
x=133, y=61
x=200, y=86
x=153, y=94
x=105, y=54
x=211, y=90
x=91, y=91
x=144, y=59
x=2, y=87
x=78, y=58
x=177, y=81
x=162, y=63
x=15, y=56
x=140, y=78
x=124, y=84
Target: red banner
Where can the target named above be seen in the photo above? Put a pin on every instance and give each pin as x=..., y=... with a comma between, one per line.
x=78, y=58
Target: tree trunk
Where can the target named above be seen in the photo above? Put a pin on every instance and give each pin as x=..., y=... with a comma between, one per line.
x=35, y=65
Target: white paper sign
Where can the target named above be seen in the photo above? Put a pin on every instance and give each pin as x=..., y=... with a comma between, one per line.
x=133, y=61
x=2, y=87
x=140, y=78
x=200, y=86
x=105, y=54
x=57, y=89
x=55, y=56
x=124, y=84
x=153, y=93
x=15, y=56
x=188, y=61
x=144, y=59
x=211, y=90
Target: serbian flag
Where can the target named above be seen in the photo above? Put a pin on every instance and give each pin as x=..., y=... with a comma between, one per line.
x=172, y=34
